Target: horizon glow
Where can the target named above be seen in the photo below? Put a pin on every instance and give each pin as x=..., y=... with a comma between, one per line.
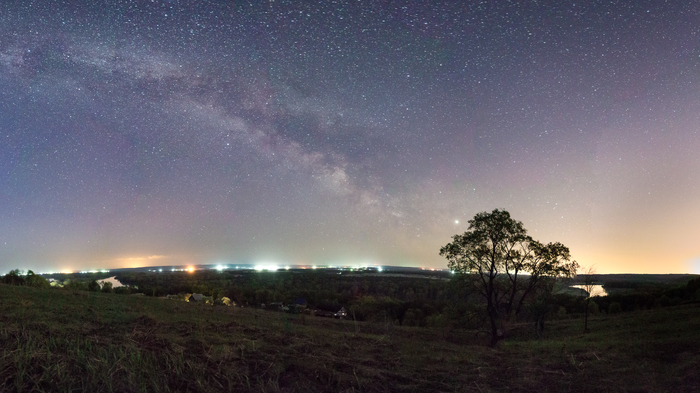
x=172, y=133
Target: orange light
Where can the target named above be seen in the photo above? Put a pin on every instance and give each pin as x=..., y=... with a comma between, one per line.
x=190, y=269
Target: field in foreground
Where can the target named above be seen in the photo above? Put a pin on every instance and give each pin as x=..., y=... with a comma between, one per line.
x=60, y=340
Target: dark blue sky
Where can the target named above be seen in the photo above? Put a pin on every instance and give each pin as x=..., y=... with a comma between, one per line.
x=171, y=132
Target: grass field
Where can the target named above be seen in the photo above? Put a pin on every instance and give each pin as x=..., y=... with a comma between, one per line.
x=59, y=340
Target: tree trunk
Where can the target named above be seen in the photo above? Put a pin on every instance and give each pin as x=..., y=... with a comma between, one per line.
x=494, y=327
x=585, y=321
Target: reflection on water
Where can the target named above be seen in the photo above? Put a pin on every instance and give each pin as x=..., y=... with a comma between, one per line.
x=113, y=280
x=597, y=290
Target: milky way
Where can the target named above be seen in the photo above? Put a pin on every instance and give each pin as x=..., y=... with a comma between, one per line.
x=171, y=132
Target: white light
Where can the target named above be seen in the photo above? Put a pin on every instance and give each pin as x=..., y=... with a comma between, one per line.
x=269, y=267
x=456, y=221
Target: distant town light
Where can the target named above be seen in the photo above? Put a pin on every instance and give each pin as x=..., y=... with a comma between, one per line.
x=269, y=267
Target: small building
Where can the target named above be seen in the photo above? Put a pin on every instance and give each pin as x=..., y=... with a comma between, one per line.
x=195, y=297
x=342, y=313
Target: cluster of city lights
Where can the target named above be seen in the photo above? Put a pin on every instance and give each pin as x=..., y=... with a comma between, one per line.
x=273, y=267
x=259, y=267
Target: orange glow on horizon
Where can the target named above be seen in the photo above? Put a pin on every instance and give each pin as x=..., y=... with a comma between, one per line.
x=190, y=269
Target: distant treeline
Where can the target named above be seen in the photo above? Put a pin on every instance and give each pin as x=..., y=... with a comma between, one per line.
x=406, y=300
x=641, y=295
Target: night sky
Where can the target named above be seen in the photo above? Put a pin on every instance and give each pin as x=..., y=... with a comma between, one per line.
x=138, y=133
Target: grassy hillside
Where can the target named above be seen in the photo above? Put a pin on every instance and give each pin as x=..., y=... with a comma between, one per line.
x=59, y=340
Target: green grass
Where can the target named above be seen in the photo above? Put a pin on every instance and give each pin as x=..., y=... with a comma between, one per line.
x=57, y=340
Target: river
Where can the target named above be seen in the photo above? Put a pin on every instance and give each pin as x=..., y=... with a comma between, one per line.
x=113, y=280
x=596, y=290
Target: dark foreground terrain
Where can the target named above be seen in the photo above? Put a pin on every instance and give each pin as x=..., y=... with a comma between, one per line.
x=60, y=340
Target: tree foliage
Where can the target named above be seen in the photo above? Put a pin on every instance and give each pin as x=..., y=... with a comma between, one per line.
x=494, y=252
x=107, y=287
x=17, y=277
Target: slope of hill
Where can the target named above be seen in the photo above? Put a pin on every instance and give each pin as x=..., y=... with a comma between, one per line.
x=60, y=340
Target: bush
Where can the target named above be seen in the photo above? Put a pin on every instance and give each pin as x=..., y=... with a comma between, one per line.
x=93, y=286
x=14, y=277
x=76, y=286
x=437, y=321
x=414, y=317
x=593, y=308
x=122, y=290
x=615, y=308
x=36, y=281
x=562, y=311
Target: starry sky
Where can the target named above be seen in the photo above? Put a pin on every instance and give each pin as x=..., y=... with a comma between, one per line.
x=144, y=133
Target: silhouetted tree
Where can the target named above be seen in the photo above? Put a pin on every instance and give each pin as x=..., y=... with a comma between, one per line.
x=107, y=287
x=544, y=263
x=493, y=252
x=93, y=286
x=14, y=277
x=35, y=280
x=588, y=285
x=485, y=250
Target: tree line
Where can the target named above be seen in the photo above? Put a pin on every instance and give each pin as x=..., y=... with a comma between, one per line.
x=408, y=301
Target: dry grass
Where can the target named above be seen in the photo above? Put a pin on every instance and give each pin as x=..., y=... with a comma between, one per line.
x=55, y=340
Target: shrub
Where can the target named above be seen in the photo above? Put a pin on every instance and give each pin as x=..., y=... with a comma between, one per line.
x=36, y=281
x=593, y=308
x=562, y=311
x=14, y=277
x=93, y=286
x=615, y=308
x=122, y=290
x=76, y=286
x=437, y=321
x=414, y=317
